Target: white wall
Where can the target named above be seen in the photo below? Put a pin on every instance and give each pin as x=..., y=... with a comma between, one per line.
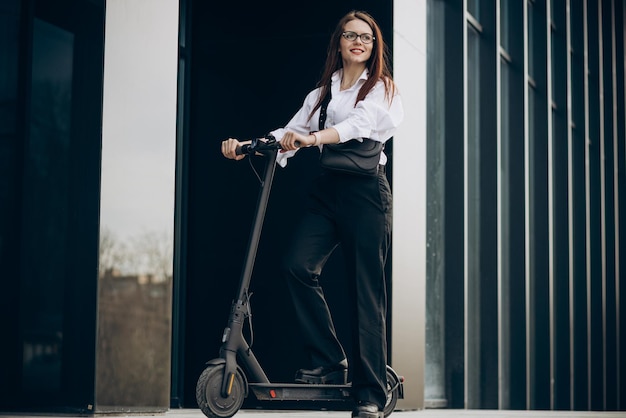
x=409, y=189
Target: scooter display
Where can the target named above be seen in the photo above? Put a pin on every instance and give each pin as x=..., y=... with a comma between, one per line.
x=230, y=378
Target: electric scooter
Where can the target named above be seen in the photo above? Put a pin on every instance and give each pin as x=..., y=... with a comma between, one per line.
x=224, y=385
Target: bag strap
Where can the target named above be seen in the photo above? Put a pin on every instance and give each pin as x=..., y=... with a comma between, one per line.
x=323, y=108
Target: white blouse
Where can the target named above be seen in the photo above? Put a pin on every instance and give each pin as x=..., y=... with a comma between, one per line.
x=374, y=117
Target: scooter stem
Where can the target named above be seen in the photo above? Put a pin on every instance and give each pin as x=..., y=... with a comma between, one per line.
x=266, y=187
x=233, y=341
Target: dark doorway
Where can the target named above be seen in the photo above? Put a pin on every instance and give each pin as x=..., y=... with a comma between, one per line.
x=250, y=66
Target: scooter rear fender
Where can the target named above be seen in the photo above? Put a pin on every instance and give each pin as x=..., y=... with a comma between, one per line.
x=219, y=361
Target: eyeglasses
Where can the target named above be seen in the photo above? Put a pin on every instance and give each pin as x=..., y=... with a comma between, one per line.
x=366, y=38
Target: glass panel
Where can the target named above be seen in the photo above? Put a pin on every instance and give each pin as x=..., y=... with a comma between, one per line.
x=137, y=208
x=473, y=7
x=531, y=39
x=9, y=150
x=10, y=175
x=473, y=145
x=50, y=107
x=505, y=140
x=532, y=108
x=473, y=217
x=505, y=233
x=435, y=395
x=553, y=73
x=44, y=210
x=504, y=24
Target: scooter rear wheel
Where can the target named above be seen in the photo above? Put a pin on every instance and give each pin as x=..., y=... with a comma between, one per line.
x=209, y=396
x=393, y=394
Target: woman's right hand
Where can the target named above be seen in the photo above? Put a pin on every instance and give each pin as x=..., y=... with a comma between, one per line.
x=229, y=148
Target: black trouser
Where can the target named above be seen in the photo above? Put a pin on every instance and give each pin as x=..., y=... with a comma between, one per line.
x=354, y=212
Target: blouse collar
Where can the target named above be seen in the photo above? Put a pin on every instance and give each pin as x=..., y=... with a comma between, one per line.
x=336, y=78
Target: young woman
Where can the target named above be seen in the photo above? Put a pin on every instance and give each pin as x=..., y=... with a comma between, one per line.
x=344, y=209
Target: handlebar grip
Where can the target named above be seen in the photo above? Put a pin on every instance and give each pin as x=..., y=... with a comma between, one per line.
x=242, y=149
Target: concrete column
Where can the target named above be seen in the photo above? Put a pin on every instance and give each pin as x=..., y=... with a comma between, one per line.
x=409, y=179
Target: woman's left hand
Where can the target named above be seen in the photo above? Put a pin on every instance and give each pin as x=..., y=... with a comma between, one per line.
x=292, y=140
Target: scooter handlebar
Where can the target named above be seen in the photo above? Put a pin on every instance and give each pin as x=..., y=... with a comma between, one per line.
x=259, y=144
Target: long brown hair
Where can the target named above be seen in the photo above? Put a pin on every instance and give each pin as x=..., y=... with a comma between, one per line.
x=377, y=65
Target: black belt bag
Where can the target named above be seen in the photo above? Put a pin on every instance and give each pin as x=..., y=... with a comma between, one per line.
x=360, y=157
x=352, y=157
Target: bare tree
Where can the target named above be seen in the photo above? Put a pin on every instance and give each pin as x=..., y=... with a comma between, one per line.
x=148, y=254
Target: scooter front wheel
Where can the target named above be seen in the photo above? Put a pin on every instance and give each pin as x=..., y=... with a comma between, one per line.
x=209, y=393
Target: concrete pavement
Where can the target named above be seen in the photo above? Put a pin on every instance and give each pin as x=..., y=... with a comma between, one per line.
x=427, y=413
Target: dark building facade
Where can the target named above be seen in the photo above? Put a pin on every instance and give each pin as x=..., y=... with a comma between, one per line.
x=526, y=161
x=122, y=229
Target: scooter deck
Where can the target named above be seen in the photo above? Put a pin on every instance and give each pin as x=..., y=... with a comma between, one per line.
x=299, y=392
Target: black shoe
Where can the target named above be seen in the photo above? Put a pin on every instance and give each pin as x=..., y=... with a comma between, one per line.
x=367, y=410
x=330, y=375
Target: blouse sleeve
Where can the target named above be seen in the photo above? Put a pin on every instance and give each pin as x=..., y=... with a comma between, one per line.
x=299, y=123
x=373, y=117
